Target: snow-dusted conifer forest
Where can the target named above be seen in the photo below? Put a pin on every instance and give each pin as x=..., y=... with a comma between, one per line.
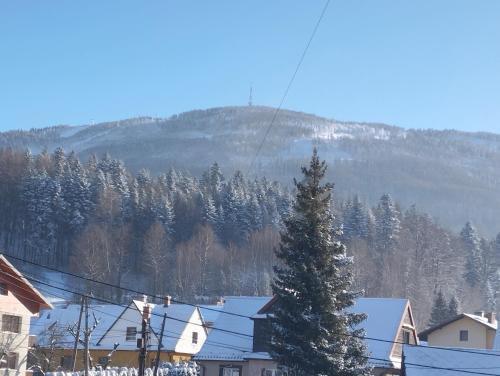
x=201, y=237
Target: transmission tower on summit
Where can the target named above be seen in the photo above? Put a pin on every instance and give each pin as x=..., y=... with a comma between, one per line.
x=250, y=98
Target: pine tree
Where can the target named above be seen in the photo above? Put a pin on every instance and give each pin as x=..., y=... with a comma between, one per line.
x=471, y=242
x=387, y=223
x=440, y=311
x=452, y=307
x=313, y=331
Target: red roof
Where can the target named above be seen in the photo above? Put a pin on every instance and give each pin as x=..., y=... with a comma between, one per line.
x=21, y=288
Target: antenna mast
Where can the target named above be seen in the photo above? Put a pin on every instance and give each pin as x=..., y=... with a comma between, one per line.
x=250, y=98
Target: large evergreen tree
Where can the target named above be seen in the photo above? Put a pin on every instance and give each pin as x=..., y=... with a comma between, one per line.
x=314, y=329
x=440, y=310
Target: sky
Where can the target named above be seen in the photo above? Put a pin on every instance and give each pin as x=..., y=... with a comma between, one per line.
x=415, y=64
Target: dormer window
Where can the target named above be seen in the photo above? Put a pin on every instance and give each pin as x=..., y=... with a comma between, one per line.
x=3, y=289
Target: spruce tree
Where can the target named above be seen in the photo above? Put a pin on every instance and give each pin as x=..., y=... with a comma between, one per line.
x=452, y=307
x=440, y=310
x=314, y=329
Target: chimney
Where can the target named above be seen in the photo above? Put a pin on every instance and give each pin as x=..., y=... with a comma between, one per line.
x=167, y=301
x=491, y=316
x=145, y=312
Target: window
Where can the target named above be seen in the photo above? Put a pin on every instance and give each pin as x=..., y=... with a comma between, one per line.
x=3, y=289
x=67, y=362
x=103, y=361
x=11, y=323
x=12, y=360
x=194, y=338
x=273, y=372
x=464, y=335
x=406, y=337
x=230, y=371
x=131, y=333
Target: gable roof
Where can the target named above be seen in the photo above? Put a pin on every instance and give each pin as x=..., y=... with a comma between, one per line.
x=480, y=319
x=64, y=315
x=221, y=345
x=178, y=317
x=210, y=313
x=31, y=298
x=135, y=306
x=383, y=321
x=450, y=360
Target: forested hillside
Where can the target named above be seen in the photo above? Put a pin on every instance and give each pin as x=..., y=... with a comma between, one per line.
x=200, y=237
x=453, y=176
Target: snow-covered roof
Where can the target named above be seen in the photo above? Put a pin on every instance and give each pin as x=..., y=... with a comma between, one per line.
x=210, y=313
x=64, y=315
x=384, y=316
x=480, y=319
x=222, y=345
x=178, y=316
x=451, y=360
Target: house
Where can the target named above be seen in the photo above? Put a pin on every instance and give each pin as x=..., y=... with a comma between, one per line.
x=433, y=361
x=19, y=301
x=464, y=330
x=184, y=333
x=114, y=338
x=55, y=340
x=389, y=321
x=229, y=345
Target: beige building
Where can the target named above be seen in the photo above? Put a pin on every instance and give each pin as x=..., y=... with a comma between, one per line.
x=465, y=330
x=19, y=301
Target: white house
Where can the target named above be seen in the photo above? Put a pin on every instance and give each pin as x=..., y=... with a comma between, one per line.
x=19, y=301
x=184, y=333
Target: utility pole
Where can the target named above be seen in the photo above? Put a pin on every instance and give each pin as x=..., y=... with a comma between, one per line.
x=86, y=355
x=143, y=342
x=160, y=345
x=77, y=336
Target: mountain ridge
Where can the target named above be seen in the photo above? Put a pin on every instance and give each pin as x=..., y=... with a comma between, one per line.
x=451, y=174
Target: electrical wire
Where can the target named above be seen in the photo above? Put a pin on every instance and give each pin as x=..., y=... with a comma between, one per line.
x=292, y=79
x=492, y=353
x=366, y=357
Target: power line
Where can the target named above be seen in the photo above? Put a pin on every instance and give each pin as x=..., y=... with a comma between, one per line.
x=232, y=347
x=107, y=284
x=231, y=313
x=117, y=304
x=292, y=79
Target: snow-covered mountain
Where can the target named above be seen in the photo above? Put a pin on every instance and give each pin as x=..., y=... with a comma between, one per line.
x=453, y=175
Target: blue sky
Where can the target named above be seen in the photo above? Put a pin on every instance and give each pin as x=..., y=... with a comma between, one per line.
x=419, y=64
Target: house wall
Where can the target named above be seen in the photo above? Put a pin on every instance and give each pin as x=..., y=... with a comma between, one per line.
x=449, y=335
x=407, y=325
x=125, y=358
x=117, y=333
x=185, y=344
x=255, y=366
x=261, y=334
x=212, y=367
x=15, y=342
